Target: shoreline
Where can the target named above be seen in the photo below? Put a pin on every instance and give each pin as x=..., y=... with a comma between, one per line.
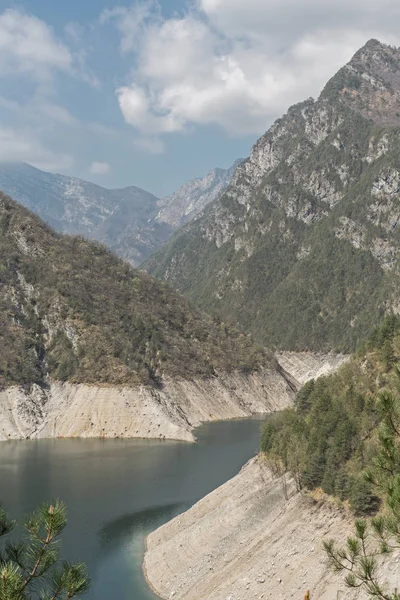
x=65, y=410
x=243, y=540
x=144, y=571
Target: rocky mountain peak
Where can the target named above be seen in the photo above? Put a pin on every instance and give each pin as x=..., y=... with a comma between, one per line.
x=370, y=83
x=316, y=202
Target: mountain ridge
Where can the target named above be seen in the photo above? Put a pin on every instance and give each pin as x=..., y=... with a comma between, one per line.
x=130, y=221
x=302, y=247
x=121, y=326
x=176, y=210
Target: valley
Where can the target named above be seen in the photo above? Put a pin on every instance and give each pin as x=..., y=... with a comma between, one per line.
x=253, y=315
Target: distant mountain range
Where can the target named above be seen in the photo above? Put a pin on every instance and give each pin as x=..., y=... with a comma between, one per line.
x=192, y=197
x=302, y=248
x=130, y=221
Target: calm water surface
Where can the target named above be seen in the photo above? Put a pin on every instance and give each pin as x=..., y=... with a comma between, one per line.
x=117, y=491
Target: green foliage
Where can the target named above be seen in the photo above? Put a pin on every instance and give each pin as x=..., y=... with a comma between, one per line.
x=303, y=397
x=363, y=501
x=374, y=539
x=284, y=443
x=71, y=310
x=35, y=560
x=331, y=434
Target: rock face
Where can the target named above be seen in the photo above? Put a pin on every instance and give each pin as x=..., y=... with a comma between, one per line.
x=303, y=366
x=131, y=221
x=194, y=196
x=76, y=410
x=244, y=540
x=67, y=410
x=302, y=249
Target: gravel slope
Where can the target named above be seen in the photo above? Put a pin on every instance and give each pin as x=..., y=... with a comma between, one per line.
x=244, y=540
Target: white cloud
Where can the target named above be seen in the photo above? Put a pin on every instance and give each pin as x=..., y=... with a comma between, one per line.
x=31, y=116
x=143, y=114
x=238, y=64
x=99, y=168
x=287, y=19
x=130, y=21
x=28, y=45
x=18, y=145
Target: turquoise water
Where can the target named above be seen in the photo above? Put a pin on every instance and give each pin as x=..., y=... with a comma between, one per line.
x=117, y=491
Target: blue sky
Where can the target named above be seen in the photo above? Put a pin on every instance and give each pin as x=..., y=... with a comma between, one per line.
x=155, y=93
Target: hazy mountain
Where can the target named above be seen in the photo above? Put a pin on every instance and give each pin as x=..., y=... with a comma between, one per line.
x=302, y=248
x=131, y=221
x=192, y=197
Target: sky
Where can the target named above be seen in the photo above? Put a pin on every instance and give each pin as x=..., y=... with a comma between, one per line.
x=154, y=93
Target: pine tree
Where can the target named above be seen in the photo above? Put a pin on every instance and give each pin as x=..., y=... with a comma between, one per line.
x=33, y=565
x=375, y=539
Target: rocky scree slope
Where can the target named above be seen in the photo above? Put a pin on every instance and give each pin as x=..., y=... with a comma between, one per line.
x=73, y=314
x=302, y=248
x=130, y=221
x=245, y=540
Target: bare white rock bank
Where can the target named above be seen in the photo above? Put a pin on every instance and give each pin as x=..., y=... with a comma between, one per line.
x=304, y=366
x=244, y=540
x=172, y=412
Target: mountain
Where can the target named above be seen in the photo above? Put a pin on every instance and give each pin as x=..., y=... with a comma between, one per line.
x=121, y=219
x=192, y=197
x=72, y=312
x=130, y=221
x=302, y=248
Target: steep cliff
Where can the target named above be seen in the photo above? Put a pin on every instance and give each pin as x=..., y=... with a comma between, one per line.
x=302, y=248
x=192, y=197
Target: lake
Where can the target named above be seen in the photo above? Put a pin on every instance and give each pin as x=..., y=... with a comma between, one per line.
x=117, y=491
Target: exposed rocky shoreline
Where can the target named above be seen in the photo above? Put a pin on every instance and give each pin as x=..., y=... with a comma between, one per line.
x=245, y=540
x=64, y=410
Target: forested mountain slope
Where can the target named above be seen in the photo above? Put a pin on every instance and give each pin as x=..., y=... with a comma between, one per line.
x=331, y=436
x=302, y=248
x=92, y=347
x=72, y=310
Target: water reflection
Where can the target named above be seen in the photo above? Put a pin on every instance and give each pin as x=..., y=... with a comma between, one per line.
x=121, y=530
